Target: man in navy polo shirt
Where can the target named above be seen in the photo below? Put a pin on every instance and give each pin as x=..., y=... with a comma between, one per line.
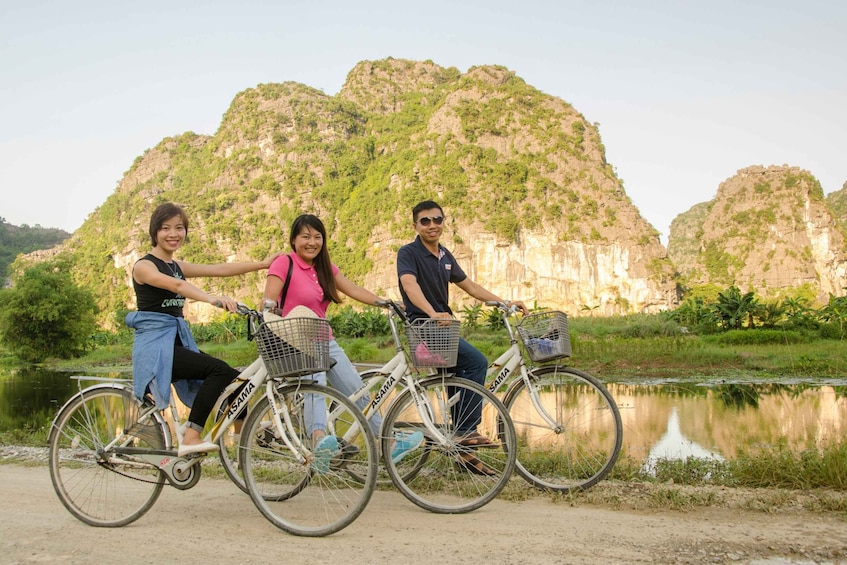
x=425, y=269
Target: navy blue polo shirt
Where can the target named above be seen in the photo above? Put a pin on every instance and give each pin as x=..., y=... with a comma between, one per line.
x=433, y=274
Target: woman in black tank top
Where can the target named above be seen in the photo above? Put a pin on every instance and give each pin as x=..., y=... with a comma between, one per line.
x=160, y=286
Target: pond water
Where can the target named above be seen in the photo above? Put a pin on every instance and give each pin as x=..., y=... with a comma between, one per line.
x=713, y=419
x=661, y=420
x=32, y=394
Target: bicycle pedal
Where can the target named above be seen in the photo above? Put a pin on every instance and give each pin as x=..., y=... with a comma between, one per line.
x=348, y=453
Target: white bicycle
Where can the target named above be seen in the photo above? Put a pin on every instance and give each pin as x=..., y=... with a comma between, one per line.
x=110, y=455
x=450, y=472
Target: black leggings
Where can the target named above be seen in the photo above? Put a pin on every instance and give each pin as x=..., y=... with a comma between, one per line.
x=215, y=374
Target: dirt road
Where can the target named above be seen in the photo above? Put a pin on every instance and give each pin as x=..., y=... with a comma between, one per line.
x=216, y=523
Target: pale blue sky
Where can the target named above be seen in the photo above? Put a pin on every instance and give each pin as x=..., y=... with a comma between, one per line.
x=685, y=93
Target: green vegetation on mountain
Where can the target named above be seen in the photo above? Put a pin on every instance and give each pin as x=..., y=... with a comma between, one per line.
x=837, y=203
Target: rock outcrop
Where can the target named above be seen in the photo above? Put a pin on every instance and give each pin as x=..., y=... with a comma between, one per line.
x=767, y=229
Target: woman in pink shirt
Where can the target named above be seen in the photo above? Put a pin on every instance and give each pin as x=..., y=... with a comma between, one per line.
x=315, y=282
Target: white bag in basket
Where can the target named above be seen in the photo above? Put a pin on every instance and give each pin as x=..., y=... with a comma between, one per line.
x=283, y=331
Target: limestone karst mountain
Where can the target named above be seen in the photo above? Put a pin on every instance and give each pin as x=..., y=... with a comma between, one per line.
x=768, y=229
x=535, y=211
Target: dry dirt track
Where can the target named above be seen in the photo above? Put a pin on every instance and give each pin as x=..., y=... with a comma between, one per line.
x=182, y=527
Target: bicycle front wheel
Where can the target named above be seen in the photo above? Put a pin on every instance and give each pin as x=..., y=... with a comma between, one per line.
x=581, y=442
x=98, y=486
x=305, y=489
x=454, y=470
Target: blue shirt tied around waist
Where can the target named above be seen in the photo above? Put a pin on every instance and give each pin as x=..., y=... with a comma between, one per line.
x=153, y=357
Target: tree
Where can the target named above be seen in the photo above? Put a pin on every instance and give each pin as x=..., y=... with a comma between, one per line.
x=45, y=314
x=733, y=307
x=835, y=312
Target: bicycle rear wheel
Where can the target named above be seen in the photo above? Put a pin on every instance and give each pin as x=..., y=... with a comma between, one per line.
x=96, y=485
x=307, y=492
x=448, y=474
x=582, y=445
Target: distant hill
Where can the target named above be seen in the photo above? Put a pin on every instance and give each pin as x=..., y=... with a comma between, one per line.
x=768, y=229
x=15, y=240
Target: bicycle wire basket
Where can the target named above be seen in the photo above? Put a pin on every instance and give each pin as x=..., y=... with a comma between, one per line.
x=433, y=342
x=545, y=336
x=293, y=347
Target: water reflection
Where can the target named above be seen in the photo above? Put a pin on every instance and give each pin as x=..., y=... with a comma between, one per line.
x=675, y=445
x=727, y=419
x=30, y=397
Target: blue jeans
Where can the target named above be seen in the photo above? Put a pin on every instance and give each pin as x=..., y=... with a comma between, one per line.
x=344, y=378
x=471, y=364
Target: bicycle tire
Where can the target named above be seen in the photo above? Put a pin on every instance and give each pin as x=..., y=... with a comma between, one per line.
x=228, y=443
x=583, y=446
x=228, y=454
x=99, y=487
x=442, y=484
x=302, y=497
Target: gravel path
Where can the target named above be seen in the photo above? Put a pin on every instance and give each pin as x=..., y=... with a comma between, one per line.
x=215, y=523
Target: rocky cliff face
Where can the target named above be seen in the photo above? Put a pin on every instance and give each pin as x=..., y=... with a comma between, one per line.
x=767, y=229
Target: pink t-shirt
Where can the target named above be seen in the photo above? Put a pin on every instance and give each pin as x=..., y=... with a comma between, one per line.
x=304, y=288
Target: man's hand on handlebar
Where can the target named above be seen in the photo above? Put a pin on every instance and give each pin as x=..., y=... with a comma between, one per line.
x=518, y=305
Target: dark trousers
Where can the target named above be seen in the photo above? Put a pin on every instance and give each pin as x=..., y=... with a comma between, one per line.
x=471, y=364
x=215, y=374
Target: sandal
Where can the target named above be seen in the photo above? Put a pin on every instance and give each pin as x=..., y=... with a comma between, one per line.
x=475, y=439
x=472, y=464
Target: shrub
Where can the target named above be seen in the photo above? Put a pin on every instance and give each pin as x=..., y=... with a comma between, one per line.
x=349, y=323
x=46, y=315
x=759, y=337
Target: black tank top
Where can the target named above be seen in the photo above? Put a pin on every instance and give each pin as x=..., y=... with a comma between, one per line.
x=153, y=299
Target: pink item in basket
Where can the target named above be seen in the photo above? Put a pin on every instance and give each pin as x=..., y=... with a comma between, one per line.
x=423, y=356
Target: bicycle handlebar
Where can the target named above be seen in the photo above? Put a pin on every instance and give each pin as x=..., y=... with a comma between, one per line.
x=390, y=304
x=508, y=308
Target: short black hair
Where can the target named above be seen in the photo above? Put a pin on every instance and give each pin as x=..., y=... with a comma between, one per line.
x=425, y=205
x=162, y=213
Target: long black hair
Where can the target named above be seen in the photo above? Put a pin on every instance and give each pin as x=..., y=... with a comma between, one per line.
x=322, y=263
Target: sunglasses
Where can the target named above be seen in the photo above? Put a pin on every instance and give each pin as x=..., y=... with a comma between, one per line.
x=425, y=220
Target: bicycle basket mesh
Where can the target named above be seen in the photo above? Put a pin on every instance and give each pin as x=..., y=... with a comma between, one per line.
x=545, y=335
x=433, y=342
x=293, y=347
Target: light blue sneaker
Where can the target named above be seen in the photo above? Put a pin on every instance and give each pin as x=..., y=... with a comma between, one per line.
x=324, y=452
x=404, y=444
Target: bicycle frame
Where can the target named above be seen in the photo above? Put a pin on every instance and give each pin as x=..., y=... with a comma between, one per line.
x=396, y=373
x=506, y=364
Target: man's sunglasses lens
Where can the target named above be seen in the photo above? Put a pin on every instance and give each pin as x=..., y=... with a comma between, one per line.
x=426, y=220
